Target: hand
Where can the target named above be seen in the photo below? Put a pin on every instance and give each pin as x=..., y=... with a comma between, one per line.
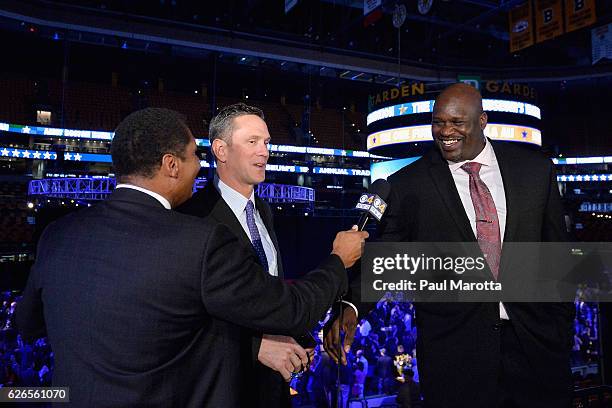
x=348, y=245
x=282, y=354
x=331, y=340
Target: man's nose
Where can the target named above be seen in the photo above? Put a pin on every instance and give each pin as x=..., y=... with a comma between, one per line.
x=446, y=129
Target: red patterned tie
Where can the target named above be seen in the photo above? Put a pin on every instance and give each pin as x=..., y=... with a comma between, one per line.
x=487, y=223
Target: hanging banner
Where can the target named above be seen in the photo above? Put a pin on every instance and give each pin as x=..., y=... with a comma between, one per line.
x=601, y=40
x=521, y=31
x=289, y=4
x=370, y=5
x=579, y=13
x=549, y=19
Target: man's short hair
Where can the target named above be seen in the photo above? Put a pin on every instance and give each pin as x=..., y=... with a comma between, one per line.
x=144, y=137
x=221, y=125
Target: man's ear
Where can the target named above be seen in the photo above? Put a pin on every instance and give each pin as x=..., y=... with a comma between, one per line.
x=170, y=165
x=483, y=120
x=219, y=149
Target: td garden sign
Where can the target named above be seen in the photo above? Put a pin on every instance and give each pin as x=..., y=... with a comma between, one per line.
x=416, y=89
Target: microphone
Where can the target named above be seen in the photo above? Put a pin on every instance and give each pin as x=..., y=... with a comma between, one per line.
x=372, y=203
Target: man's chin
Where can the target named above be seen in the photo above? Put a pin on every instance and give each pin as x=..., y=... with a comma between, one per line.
x=454, y=156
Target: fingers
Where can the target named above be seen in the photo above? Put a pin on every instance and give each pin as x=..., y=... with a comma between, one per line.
x=286, y=374
x=296, y=363
x=302, y=355
x=348, y=340
x=332, y=340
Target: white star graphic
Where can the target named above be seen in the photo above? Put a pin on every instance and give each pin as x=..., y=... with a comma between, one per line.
x=4, y=152
x=26, y=154
x=36, y=155
x=15, y=153
x=26, y=130
x=587, y=178
x=46, y=156
x=596, y=178
x=67, y=156
x=77, y=157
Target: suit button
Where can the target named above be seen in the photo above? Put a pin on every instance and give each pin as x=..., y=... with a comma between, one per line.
x=496, y=326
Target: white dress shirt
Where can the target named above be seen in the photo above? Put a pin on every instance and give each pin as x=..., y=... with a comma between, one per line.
x=237, y=203
x=491, y=176
x=162, y=200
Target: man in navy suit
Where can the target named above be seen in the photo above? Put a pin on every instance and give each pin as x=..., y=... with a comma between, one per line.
x=480, y=354
x=144, y=306
x=239, y=140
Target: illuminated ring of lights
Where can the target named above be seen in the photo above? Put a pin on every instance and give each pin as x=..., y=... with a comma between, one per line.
x=489, y=105
x=422, y=133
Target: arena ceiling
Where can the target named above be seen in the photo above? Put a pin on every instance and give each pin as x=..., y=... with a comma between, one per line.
x=450, y=38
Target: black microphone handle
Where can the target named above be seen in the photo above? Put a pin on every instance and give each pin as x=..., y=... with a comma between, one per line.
x=363, y=220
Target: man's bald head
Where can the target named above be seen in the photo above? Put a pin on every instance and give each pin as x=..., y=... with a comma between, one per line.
x=467, y=94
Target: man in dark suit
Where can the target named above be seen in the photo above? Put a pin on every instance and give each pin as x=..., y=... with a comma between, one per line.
x=481, y=354
x=239, y=140
x=143, y=305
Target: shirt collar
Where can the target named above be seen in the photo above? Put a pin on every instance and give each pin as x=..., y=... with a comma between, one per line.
x=162, y=200
x=486, y=157
x=236, y=201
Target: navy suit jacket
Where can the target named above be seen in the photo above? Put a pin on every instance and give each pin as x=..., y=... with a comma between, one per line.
x=144, y=306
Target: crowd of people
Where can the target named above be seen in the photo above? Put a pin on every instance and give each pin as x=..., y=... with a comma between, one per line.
x=383, y=357
x=586, y=334
x=382, y=360
x=21, y=364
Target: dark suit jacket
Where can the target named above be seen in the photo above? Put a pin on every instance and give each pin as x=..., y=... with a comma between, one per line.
x=266, y=386
x=459, y=344
x=143, y=305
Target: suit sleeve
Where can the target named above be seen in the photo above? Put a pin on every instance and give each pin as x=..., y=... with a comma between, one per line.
x=236, y=288
x=553, y=228
x=29, y=316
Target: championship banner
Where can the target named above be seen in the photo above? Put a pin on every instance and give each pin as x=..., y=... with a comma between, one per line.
x=521, y=32
x=601, y=41
x=549, y=19
x=579, y=13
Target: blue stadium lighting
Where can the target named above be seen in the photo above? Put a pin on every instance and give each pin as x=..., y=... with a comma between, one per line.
x=584, y=177
x=287, y=169
x=583, y=160
x=27, y=153
x=98, y=188
x=489, y=105
x=282, y=193
x=40, y=131
x=341, y=171
x=595, y=207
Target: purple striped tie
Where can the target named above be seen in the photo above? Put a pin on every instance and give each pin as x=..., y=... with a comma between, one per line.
x=255, y=238
x=487, y=223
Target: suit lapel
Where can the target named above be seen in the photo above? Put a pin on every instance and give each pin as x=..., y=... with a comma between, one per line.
x=445, y=185
x=511, y=190
x=222, y=213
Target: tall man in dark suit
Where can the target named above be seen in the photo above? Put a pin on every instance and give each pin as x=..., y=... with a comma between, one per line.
x=471, y=189
x=143, y=306
x=239, y=140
